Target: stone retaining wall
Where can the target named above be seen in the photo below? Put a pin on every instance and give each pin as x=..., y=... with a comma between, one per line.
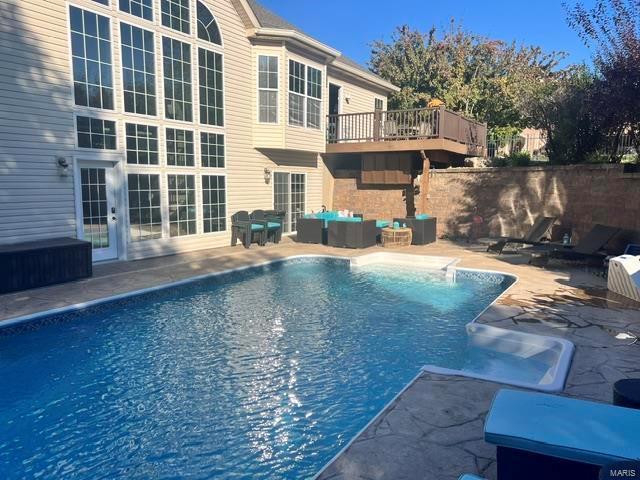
x=507, y=200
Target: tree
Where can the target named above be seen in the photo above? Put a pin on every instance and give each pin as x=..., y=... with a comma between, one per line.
x=561, y=108
x=477, y=76
x=612, y=29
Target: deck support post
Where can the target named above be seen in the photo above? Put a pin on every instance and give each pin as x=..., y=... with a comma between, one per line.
x=424, y=182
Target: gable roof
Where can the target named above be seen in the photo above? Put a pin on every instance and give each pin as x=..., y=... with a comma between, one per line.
x=268, y=19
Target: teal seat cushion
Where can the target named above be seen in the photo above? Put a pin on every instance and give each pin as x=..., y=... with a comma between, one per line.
x=468, y=476
x=349, y=219
x=422, y=216
x=256, y=227
x=273, y=225
x=577, y=430
x=382, y=223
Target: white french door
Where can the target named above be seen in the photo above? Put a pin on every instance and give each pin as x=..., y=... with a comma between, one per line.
x=97, y=209
x=289, y=195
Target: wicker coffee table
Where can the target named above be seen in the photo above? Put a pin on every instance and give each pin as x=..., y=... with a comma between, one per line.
x=396, y=237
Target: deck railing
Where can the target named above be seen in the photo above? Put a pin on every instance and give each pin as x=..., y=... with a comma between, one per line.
x=397, y=125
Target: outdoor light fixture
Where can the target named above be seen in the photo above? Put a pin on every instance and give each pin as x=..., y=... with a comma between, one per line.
x=63, y=166
x=267, y=176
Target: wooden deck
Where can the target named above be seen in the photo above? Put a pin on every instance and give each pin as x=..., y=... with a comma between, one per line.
x=406, y=130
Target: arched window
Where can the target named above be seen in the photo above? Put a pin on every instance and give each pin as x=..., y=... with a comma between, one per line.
x=207, y=27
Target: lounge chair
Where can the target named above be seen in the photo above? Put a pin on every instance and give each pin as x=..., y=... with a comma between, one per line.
x=274, y=224
x=533, y=237
x=588, y=249
x=541, y=436
x=423, y=227
x=243, y=227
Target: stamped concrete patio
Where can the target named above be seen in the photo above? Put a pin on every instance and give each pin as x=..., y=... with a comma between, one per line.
x=434, y=429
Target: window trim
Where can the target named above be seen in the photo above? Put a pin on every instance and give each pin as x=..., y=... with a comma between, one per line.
x=207, y=170
x=163, y=105
x=159, y=116
x=215, y=18
x=258, y=89
x=131, y=16
x=128, y=207
x=126, y=150
x=306, y=95
x=190, y=35
x=215, y=173
x=103, y=13
x=196, y=94
x=198, y=205
x=109, y=117
x=164, y=160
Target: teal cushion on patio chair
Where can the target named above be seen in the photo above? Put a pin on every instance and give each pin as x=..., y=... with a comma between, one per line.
x=422, y=216
x=468, y=476
x=349, y=219
x=256, y=227
x=274, y=225
x=577, y=430
x=382, y=223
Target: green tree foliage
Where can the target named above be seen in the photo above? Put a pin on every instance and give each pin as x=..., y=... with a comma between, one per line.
x=561, y=109
x=479, y=77
x=612, y=29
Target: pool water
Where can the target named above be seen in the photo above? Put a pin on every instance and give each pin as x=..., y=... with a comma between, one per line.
x=260, y=374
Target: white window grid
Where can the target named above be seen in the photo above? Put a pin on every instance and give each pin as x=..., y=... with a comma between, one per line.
x=145, y=210
x=91, y=59
x=138, y=70
x=176, y=57
x=175, y=15
x=214, y=203
x=181, y=191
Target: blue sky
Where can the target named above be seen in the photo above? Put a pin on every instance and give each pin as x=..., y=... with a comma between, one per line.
x=351, y=25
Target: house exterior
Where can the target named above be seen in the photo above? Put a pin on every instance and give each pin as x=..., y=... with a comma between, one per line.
x=142, y=125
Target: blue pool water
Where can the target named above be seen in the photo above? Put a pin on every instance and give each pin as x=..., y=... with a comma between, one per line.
x=259, y=374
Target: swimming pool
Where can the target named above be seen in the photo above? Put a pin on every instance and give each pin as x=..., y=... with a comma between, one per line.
x=262, y=373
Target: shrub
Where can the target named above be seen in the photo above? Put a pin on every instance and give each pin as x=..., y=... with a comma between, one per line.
x=519, y=159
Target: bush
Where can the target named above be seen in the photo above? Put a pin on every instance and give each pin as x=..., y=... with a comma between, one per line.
x=519, y=159
x=516, y=159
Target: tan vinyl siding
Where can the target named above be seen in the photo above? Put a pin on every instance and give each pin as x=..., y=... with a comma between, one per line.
x=35, y=121
x=361, y=97
x=37, y=118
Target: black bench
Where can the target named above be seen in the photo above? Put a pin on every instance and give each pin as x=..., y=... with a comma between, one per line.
x=43, y=262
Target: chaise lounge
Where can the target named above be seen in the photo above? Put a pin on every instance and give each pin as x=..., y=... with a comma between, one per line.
x=533, y=237
x=588, y=249
x=540, y=436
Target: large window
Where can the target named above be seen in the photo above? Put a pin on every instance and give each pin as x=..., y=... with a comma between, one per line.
x=142, y=144
x=180, y=148
x=268, y=89
x=145, y=219
x=91, y=54
x=138, y=70
x=207, y=27
x=211, y=99
x=296, y=93
x=314, y=97
x=305, y=95
x=177, y=79
x=139, y=8
x=182, y=205
x=96, y=133
x=214, y=212
x=175, y=14
x=212, y=150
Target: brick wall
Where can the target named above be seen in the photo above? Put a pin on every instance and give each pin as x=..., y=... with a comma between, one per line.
x=374, y=201
x=509, y=199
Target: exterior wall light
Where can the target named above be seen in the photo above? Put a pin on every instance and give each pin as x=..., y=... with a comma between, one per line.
x=63, y=166
x=267, y=176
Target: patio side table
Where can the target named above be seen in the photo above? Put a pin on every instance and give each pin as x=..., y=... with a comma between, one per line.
x=396, y=237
